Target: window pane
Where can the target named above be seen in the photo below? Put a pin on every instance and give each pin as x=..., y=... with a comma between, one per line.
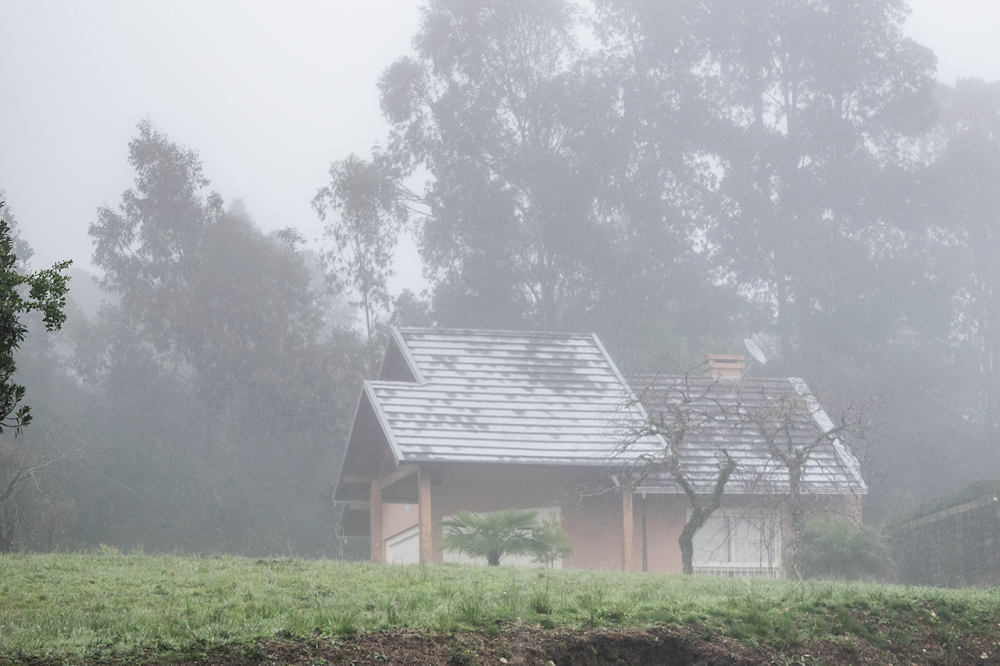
x=740, y=539
x=711, y=542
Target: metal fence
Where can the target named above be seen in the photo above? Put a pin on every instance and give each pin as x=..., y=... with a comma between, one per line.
x=956, y=547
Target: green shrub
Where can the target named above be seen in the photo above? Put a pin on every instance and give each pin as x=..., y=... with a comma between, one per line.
x=845, y=551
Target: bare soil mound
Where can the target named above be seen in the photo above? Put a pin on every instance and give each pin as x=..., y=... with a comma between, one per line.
x=532, y=646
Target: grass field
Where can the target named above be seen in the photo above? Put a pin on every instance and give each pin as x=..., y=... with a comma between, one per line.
x=106, y=606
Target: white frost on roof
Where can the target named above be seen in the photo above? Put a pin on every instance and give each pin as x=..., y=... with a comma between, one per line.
x=557, y=398
x=508, y=396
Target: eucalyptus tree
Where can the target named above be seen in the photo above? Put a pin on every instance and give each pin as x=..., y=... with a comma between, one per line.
x=660, y=184
x=498, y=109
x=960, y=310
x=363, y=212
x=814, y=102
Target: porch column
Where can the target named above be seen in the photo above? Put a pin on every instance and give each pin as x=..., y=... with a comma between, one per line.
x=424, y=508
x=375, y=520
x=627, y=559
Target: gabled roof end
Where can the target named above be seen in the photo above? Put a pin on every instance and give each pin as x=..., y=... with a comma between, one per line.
x=398, y=364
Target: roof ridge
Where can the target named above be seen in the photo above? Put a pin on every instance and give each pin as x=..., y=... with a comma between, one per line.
x=485, y=332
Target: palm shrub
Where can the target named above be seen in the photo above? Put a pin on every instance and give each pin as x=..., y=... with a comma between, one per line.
x=496, y=535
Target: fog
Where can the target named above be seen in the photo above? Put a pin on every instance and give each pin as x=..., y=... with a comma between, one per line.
x=671, y=189
x=268, y=96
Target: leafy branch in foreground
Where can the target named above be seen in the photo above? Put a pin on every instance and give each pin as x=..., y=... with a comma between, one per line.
x=46, y=293
x=21, y=292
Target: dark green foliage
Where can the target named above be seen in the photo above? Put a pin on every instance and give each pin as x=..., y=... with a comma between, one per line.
x=20, y=293
x=32, y=512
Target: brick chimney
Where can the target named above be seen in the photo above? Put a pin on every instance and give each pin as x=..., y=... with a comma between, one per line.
x=723, y=365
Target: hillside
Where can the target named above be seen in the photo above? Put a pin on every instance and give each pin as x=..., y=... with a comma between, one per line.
x=116, y=609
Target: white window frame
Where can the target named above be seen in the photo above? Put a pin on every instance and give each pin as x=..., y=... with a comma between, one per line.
x=728, y=532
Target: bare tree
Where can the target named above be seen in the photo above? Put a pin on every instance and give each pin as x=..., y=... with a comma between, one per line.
x=678, y=410
x=21, y=474
x=793, y=427
x=768, y=436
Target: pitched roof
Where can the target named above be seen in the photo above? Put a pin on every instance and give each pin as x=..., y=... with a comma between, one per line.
x=502, y=396
x=739, y=416
x=530, y=397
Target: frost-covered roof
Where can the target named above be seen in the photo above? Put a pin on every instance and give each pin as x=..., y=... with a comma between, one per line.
x=503, y=396
x=523, y=397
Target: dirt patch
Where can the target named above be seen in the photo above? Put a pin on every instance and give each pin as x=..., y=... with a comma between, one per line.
x=525, y=645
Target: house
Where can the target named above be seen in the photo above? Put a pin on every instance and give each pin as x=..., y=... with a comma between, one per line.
x=466, y=420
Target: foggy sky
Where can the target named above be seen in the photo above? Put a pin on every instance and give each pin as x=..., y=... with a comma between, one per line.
x=269, y=94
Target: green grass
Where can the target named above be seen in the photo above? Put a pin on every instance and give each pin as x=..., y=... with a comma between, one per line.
x=108, y=605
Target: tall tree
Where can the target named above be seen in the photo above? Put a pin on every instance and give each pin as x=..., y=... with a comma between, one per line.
x=813, y=101
x=957, y=247
x=142, y=246
x=494, y=107
x=363, y=215
x=218, y=331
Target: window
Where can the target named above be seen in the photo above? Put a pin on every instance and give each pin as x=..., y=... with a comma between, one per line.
x=735, y=543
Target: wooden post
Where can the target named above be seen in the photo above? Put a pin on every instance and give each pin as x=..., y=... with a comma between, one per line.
x=627, y=529
x=424, y=507
x=375, y=519
x=645, y=560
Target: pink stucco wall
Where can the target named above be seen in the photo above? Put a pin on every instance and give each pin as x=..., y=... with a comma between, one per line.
x=593, y=520
x=593, y=523
x=398, y=518
x=665, y=518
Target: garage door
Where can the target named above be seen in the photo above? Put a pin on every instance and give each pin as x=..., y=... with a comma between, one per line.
x=403, y=548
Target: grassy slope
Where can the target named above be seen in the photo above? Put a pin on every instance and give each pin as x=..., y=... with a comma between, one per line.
x=100, y=606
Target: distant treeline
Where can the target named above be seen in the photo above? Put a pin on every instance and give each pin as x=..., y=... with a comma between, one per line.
x=675, y=177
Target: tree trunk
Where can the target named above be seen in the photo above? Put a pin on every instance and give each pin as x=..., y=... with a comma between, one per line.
x=699, y=512
x=796, y=513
